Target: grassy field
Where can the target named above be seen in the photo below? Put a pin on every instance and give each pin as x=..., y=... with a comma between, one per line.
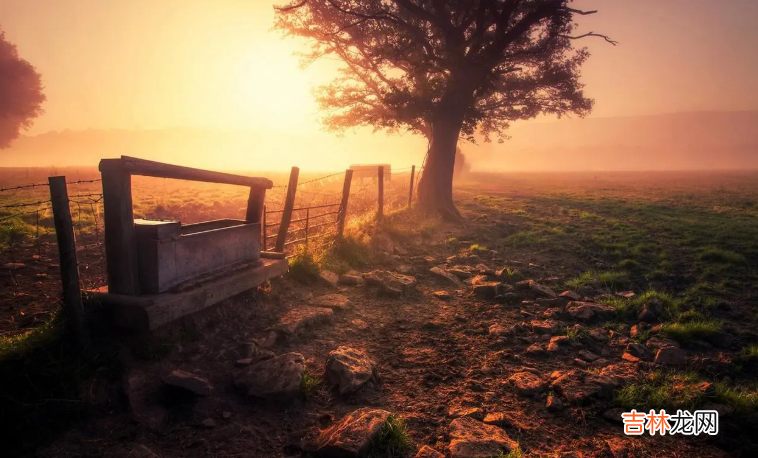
x=684, y=242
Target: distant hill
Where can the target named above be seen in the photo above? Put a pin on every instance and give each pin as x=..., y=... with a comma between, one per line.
x=679, y=141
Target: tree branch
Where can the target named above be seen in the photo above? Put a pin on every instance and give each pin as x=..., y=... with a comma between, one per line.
x=591, y=34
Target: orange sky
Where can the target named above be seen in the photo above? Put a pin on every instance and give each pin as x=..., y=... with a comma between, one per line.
x=215, y=63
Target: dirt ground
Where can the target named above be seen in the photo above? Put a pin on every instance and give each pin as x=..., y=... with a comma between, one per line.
x=434, y=356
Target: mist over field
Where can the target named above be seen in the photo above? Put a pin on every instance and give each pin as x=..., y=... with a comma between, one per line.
x=681, y=141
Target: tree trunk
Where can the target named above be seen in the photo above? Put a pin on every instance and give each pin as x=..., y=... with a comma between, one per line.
x=435, y=189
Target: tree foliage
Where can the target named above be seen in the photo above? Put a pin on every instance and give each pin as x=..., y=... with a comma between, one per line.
x=21, y=94
x=408, y=61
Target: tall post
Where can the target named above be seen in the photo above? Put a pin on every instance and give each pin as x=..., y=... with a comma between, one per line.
x=64, y=230
x=343, y=205
x=307, y=220
x=263, y=229
x=289, y=204
x=410, y=190
x=255, y=204
x=120, y=237
x=380, y=203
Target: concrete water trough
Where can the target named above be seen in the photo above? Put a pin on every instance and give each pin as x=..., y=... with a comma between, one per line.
x=170, y=253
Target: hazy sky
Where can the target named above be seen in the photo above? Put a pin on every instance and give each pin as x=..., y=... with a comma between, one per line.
x=215, y=63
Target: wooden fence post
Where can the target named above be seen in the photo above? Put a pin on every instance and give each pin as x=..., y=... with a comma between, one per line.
x=73, y=308
x=289, y=204
x=410, y=191
x=380, y=203
x=263, y=229
x=120, y=237
x=343, y=205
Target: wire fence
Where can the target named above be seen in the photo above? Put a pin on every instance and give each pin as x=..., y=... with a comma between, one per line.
x=317, y=206
x=30, y=287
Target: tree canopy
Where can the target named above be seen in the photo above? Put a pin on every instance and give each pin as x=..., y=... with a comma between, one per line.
x=506, y=59
x=21, y=94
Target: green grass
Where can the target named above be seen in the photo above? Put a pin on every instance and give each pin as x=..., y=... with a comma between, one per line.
x=662, y=390
x=721, y=256
x=393, y=441
x=629, y=309
x=576, y=334
x=607, y=279
x=525, y=239
x=303, y=266
x=344, y=255
x=308, y=384
x=515, y=453
x=478, y=249
x=750, y=351
x=692, y=330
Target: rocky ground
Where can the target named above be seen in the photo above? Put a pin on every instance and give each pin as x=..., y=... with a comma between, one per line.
x=433, y=349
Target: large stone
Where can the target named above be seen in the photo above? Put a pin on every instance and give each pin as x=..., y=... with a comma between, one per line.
x=671, y=356
x=336, y=302
x=558, y=342
x=189, y=382
x=274, y=378
x=329, y=277
x=570, y=295
x=428, y=452
x=391, y=282
x=350, y=280
x=300, y=318
x=470, y=438
x=349, y=369
x=589, y=311
x=579, y=386
x=486, y=290
x=527, y=383
x=656, y=343
x=352, y=436
x=541, y=289
x=445, y=275
x=638, y=350
x=545, y=327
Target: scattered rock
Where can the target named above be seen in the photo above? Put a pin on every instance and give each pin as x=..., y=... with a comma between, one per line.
x=352, y=436
x=554, y=404
x=484, y=270
x=462, y=272
x=300, y=318
x=428, y=452
x=600, y=335
x=558, y=342
x=588, y=356
x=626, y=294
x=618, y=447
x=570, y=295
x=579, y=386
x=278, y=377
x=581, y=363
x=188, y=381
x=486, y=290
x=442, y=295
x=349, y=369
x=721, y=339
x=527, y=383
x=470, y=438
x=671, y=356
x=545, y=327
x=638, y=350
x=442, y=273
x=638, y=328
x=588, y=311
x=350, y=280
x=329, y=277
x=390, y=282
x=476, y=280
x=647, y=316
x=382, y=243
x=360, y=324
x=336, y=302
x=473, y=412
x=208, y=423
x=656, y=343
x=541, y=289
x=535, y=351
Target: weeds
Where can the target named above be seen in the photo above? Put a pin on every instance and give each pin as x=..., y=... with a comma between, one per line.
x=721, y=256
x=478, y=249
x=610, y=279
x=692, y=330
x=393, y=440
x=303, y=267
x=308, y=384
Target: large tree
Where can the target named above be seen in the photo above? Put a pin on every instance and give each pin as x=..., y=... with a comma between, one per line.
x=446, y=69
x=21, y=94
